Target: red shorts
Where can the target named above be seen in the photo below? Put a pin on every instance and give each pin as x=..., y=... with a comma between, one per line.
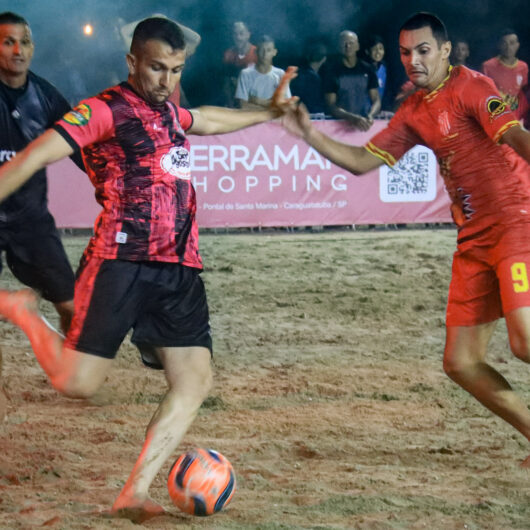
x=490, y=277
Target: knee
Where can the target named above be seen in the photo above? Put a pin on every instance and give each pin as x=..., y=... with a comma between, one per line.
x=520, y=346
x=75, y=387
x=455, y=366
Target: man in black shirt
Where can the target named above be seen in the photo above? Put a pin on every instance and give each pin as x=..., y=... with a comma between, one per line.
x=347, y=82
x=28, y=106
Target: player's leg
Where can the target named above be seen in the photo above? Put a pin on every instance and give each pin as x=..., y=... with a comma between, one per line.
x=175, y=318
x=36, y=256
x=73, y=373
x=189, y=377
x=474, y=305
x=464, y=363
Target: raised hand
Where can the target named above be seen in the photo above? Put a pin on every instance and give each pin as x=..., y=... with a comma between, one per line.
x=279, y=102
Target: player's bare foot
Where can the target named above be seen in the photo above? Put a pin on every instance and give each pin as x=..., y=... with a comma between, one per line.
x=526, y=462
x=136, y=510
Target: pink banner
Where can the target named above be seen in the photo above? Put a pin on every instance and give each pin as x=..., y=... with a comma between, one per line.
x=263, y=176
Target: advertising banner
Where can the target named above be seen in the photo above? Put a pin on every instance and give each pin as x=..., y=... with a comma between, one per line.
x=263, y=176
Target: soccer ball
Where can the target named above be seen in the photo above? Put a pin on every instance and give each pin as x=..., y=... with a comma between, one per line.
x=201, y=482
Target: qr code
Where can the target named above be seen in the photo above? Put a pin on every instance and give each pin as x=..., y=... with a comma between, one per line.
x=413, y=177
x=410, y=174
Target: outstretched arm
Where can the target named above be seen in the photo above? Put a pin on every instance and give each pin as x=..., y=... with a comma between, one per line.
x=47, y=148
x=354, y=159
x=219, y=120
x=519, y=140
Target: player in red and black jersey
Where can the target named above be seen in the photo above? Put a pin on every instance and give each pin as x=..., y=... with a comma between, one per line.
x=484, y=157
x=141, y=269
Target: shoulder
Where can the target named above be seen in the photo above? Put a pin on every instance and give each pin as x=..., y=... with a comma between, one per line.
x=278, y=71
x=47, y=88
x=463, y=78
x=248, y=71
x=490, y=63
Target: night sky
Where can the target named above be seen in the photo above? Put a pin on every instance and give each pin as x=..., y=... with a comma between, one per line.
x=68, y=59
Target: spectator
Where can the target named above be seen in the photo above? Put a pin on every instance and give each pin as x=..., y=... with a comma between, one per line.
x=509, y=73
x=257, y=83
x=308, y=85
x=239, y=56
x=347, y=82
x=460, y=53
x=375, y=53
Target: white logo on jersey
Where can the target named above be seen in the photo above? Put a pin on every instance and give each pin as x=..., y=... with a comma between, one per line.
x=177, y=162
x=121, y=237
x=519, y=80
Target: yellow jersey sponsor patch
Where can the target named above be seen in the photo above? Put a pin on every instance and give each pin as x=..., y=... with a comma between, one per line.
x=80, y=115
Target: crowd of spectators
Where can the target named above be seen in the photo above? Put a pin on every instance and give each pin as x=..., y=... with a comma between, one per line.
x=343, y=78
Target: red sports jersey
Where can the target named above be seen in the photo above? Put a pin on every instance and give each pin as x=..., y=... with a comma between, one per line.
x=232, y=57
x=137, y=157
x=510, y=80
x=462, y=122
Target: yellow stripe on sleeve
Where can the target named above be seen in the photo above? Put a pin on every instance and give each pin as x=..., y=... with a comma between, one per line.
x=387, y=158
x=504, y=128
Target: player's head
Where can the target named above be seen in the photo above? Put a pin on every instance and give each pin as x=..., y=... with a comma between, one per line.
x=348, y=43
x=425, y=48
x=156, y=59
x=266, y=50
x=16, y=49
x=508, y=44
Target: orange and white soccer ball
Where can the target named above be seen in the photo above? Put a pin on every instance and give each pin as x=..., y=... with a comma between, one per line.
x=201, y=482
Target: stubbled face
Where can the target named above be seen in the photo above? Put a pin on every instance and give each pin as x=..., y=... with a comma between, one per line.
x=425, y=62
x=155, y=69
x=461, y=52
x=16, y=50
x=348, y=44
x=377, y=52
x=509, y=46
x=240, y=34
x=266, y=51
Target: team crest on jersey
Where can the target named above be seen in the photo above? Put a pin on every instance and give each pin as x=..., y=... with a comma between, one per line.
x=80, y=115
x=443, y=123
x=496, y=107
x=177, y=163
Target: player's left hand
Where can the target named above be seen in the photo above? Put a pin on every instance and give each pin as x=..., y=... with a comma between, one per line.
x=279, y=103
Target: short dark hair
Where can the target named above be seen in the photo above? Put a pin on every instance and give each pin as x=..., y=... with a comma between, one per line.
x=423, y=20
x=8, y=17
x=263, y=39
x=507, y=31
x=158, y=28
x=372, y=40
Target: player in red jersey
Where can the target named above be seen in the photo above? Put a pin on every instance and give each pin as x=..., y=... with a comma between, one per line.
x=483, y=154
x=141, y=268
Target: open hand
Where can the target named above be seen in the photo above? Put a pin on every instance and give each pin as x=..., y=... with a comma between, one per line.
x=279, y=102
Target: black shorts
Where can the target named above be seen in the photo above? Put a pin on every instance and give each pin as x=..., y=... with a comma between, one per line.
x=36, y=256
x=163, y=303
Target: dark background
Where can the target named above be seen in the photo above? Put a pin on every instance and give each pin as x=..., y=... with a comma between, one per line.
x=63, y=54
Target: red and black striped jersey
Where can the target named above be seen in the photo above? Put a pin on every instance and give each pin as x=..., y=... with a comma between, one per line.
x=137, y=157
